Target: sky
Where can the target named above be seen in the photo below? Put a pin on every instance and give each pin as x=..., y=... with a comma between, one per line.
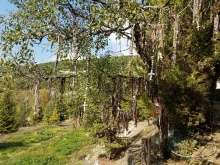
x=41, y=55
x=6, y=6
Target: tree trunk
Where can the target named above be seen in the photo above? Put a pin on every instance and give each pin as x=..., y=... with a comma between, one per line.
x=164, y=152
x=36, y=93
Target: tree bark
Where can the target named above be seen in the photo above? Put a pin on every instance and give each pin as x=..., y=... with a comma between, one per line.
x=36, y=93
x=164, y=151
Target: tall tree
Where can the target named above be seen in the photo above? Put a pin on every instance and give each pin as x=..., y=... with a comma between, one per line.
x=179, y=64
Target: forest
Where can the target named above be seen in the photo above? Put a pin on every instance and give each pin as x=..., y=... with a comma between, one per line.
x=176, y=67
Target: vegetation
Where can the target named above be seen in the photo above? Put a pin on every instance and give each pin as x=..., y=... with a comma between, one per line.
x=178, y=61
x=8, y=121
x=58, y=145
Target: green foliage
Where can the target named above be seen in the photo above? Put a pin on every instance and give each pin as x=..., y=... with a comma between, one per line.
x=44, y=98
x=56, y=110
x=8, y=121
x=55, y=118
x=92, y=116
x=23, y=112
x=99, y=129
x=23, y=105
x=144, y=105
x=37, y=158
x=48, y=112
x=58, y=143
x=70, y=143
x=112, y=148
x=62, y=109
x=186, y=147
x=186, y=88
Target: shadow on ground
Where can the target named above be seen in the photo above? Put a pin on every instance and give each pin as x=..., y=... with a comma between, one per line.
x=206, y=162
x=6, y=145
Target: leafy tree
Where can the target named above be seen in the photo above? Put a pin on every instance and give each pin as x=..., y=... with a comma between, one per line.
x=185, y=76
x=186, y=88
x=8, y=120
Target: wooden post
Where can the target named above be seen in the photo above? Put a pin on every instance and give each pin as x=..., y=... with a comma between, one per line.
x=164, y=151
x=146, y=151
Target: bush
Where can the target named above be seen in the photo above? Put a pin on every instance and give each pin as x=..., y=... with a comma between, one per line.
x=55, y=118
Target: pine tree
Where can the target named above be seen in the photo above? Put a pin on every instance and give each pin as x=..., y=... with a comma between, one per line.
x=8, y=122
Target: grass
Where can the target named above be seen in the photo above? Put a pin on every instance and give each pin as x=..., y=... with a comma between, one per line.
x=45, y=146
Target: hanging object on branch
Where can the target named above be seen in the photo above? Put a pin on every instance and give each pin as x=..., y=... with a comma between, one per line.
x=131, y=44
x=161, y=36
x=160, y=33
x=175, y=35
x=89, y=49
x=153, y=33
x=152, y=66
x=156, y=109
x=196, y=9
x=153, y=39
x=129, y=75
x=129, y=68
x=160, y=41
x=216, y=26
x=76, y=52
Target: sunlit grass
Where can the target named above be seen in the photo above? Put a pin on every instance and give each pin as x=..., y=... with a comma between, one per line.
x=45, y=146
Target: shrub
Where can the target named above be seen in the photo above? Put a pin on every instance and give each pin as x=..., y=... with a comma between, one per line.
x=8, y=122
x=55, y=118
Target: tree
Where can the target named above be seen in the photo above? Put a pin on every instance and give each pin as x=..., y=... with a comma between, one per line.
x=8, y=121
x=55, y=118
x=82, y=26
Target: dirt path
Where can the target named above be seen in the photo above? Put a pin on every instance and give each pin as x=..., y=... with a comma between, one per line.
x=210, y=151
x=134, y=133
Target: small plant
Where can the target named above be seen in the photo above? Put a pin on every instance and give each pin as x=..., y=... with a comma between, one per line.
x=54, y=118
x=113, y=149
x=186, y=147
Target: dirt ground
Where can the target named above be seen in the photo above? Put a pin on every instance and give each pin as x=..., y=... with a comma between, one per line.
x=133, y=132
x=212, y=149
